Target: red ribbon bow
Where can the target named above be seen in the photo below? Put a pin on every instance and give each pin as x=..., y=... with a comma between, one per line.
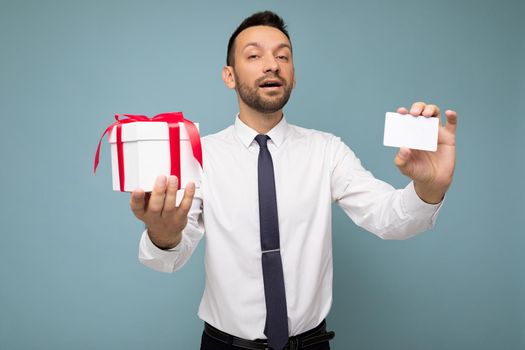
x=173, y=119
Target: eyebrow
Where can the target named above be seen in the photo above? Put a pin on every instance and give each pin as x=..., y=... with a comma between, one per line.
x=256, y=44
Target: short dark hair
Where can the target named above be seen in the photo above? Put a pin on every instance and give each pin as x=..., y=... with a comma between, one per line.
x=264, y=18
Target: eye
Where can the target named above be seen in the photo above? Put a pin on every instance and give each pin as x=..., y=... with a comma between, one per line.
x=282, y=58
x=253, y=57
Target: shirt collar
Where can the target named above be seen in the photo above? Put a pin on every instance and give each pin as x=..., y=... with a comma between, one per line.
x=247, y=135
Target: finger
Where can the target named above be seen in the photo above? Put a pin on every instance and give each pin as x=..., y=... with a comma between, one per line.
x=417, y=108
x=171, y=196
x=156, y=201
x=185, y=204
x=402, y=110
x=138, y=203
x=431, y=111
x=402, y=160
x=452, y=121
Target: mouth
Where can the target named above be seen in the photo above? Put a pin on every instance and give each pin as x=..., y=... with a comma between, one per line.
x=271, y=84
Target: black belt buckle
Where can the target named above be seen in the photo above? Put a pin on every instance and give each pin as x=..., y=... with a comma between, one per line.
x=293, y=344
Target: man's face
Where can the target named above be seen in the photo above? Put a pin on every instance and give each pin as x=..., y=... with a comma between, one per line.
x=263, y=68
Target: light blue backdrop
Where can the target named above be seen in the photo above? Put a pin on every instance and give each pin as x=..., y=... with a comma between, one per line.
x=69, y=273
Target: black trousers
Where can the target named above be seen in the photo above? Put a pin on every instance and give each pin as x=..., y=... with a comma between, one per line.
x=209, y=343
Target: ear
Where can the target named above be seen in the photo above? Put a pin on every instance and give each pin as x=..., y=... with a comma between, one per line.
x=228, y=77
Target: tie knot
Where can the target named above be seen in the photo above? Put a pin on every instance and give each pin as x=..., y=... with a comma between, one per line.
x=262, y=140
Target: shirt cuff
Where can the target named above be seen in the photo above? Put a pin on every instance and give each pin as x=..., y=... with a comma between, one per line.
x=415, y=206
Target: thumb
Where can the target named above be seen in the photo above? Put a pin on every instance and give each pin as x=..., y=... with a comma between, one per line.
x=138, y=203
x=402, y=159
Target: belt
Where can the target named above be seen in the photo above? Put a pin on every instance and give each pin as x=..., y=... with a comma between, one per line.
x=308, y=338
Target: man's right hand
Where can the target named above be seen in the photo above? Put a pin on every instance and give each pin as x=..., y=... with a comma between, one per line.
x=158, y=210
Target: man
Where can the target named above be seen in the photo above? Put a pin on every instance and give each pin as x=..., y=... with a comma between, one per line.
x=265, y=204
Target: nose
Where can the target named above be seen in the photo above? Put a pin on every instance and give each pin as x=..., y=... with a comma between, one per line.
x=270, y=64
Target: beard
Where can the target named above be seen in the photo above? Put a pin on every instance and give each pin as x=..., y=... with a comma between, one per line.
x=260, y=101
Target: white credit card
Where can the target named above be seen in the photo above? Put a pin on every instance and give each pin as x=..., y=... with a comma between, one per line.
x=405, y=130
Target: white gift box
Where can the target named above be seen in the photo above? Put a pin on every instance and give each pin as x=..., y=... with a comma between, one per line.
x=146, y=152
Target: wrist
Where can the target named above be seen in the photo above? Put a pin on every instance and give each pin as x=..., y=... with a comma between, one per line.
x=428, y=193
x=164, y=244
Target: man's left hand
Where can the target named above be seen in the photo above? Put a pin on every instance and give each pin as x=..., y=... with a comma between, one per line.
x=431, y=171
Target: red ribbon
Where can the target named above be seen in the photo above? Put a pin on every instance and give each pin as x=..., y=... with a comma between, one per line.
x=172, y=119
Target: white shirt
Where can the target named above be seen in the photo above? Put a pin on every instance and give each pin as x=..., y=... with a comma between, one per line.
x=312, y=170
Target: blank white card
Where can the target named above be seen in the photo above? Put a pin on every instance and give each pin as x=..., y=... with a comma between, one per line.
x=405, y=130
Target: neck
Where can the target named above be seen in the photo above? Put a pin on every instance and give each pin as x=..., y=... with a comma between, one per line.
x=260, y=122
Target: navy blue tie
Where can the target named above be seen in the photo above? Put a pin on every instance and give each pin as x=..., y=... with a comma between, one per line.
x=276, y=328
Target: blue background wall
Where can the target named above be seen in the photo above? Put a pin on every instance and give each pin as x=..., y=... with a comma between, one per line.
x=69, y=275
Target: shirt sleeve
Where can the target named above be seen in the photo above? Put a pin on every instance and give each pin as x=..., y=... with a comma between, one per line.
x=374, y=204
x=171, y=260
